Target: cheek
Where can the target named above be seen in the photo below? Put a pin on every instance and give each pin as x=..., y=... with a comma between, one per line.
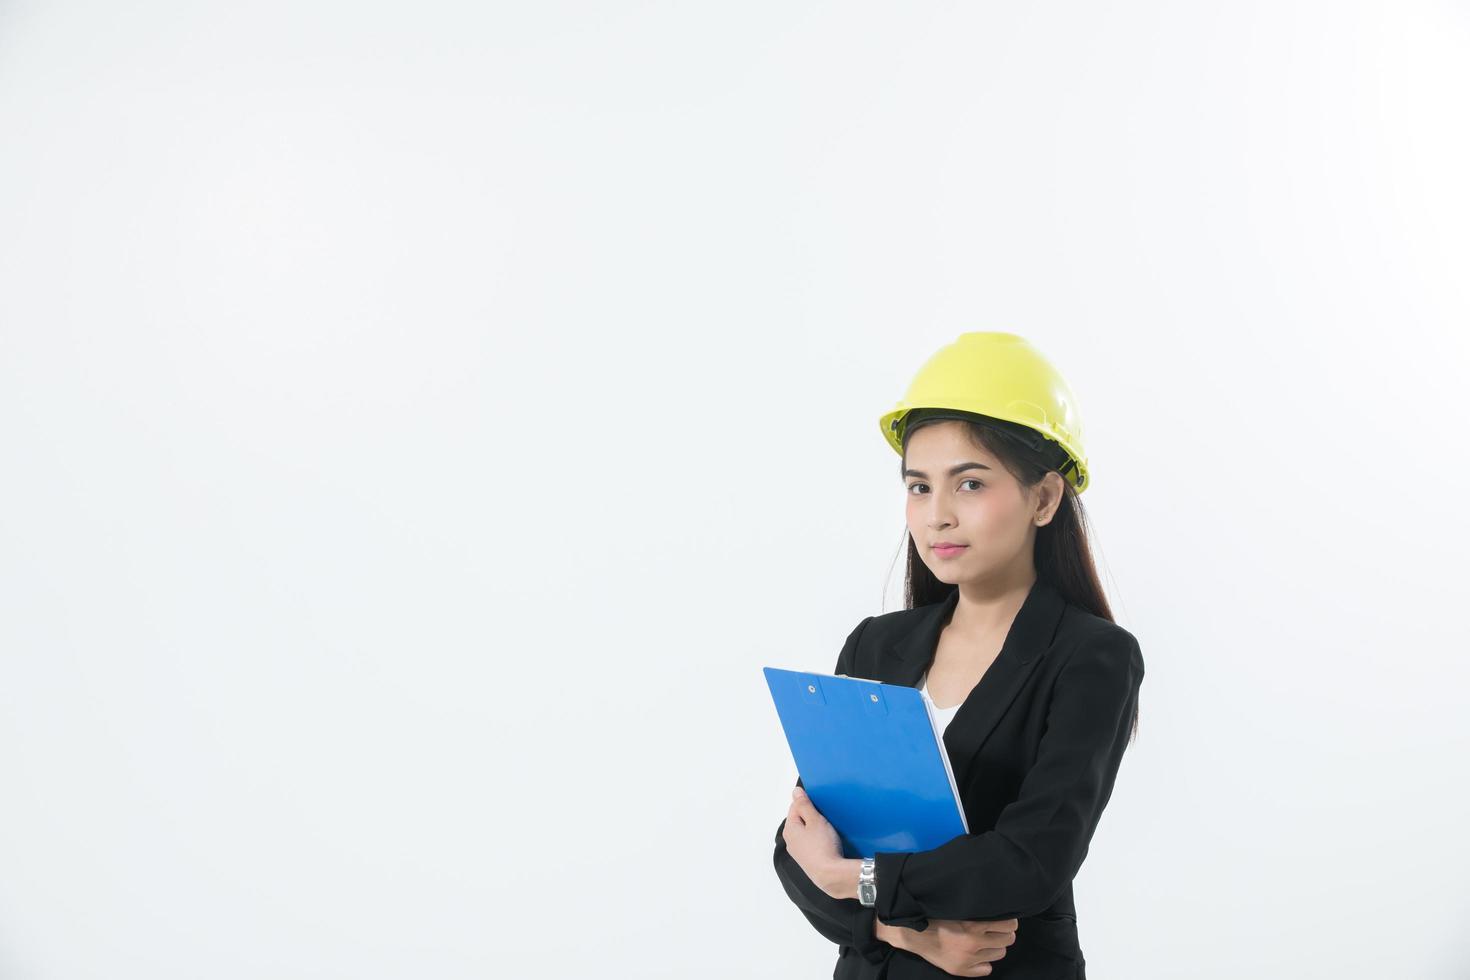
x=982, y=512
x=983, y=516
x=990, y=525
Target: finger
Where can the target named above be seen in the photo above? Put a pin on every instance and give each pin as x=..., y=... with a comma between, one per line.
x=812, y=813
x=804, y=805
x=994, y=925
x=991, y=933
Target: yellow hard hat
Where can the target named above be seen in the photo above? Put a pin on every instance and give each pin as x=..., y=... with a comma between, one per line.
x=1005, y=381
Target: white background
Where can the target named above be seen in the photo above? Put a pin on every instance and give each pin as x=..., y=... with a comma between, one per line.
x=420, y=424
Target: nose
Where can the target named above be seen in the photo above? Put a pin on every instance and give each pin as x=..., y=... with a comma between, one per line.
x=938, y=519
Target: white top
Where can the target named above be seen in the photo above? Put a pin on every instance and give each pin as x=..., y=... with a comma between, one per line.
x=942, y=716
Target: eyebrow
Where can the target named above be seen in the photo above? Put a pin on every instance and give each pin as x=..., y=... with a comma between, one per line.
x=953, y=470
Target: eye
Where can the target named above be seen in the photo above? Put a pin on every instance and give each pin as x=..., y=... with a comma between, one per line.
x=976, y=482
x=913, y=485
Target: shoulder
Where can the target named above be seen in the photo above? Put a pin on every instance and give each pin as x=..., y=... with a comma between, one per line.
x=1086, y=636
x=882, y=629
x=873, y=634
x=897, y=621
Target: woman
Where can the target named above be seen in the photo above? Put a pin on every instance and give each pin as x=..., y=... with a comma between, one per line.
x=1033, y=684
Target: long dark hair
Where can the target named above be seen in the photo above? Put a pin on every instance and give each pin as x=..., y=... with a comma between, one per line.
x=1063, y=556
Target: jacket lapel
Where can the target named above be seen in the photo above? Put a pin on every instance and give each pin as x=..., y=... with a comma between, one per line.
x=1025, y=644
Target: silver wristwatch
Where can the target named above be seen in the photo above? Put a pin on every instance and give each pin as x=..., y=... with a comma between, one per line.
x=867, y=884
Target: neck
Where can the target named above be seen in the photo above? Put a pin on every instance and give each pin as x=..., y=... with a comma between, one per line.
x=988, y=606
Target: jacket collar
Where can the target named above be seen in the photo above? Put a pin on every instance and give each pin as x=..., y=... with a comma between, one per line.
x=1026, y=643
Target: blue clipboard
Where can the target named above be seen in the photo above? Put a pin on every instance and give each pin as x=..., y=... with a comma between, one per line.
x=871, y=759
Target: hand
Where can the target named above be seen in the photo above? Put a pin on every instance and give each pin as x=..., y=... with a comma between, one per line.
x=963, y=947
x=813, y=843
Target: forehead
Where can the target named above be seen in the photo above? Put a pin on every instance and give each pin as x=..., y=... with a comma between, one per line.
x=945, y=442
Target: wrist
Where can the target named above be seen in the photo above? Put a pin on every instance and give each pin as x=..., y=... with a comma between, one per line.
x=842, y=878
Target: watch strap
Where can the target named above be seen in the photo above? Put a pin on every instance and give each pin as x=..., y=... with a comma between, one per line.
x=867, y=883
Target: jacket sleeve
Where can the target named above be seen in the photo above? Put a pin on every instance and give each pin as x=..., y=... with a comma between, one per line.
x=845, y=921
x=1039, y=841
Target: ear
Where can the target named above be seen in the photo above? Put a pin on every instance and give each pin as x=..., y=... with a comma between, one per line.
x=1049, y=497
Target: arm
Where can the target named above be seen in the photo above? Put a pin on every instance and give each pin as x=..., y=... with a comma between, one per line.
x=1040, y=839
x=845, y=921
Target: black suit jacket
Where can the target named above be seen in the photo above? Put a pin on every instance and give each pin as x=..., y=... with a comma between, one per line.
x=1035, y=748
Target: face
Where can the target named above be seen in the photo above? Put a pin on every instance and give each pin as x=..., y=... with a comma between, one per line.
x=958, y=492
